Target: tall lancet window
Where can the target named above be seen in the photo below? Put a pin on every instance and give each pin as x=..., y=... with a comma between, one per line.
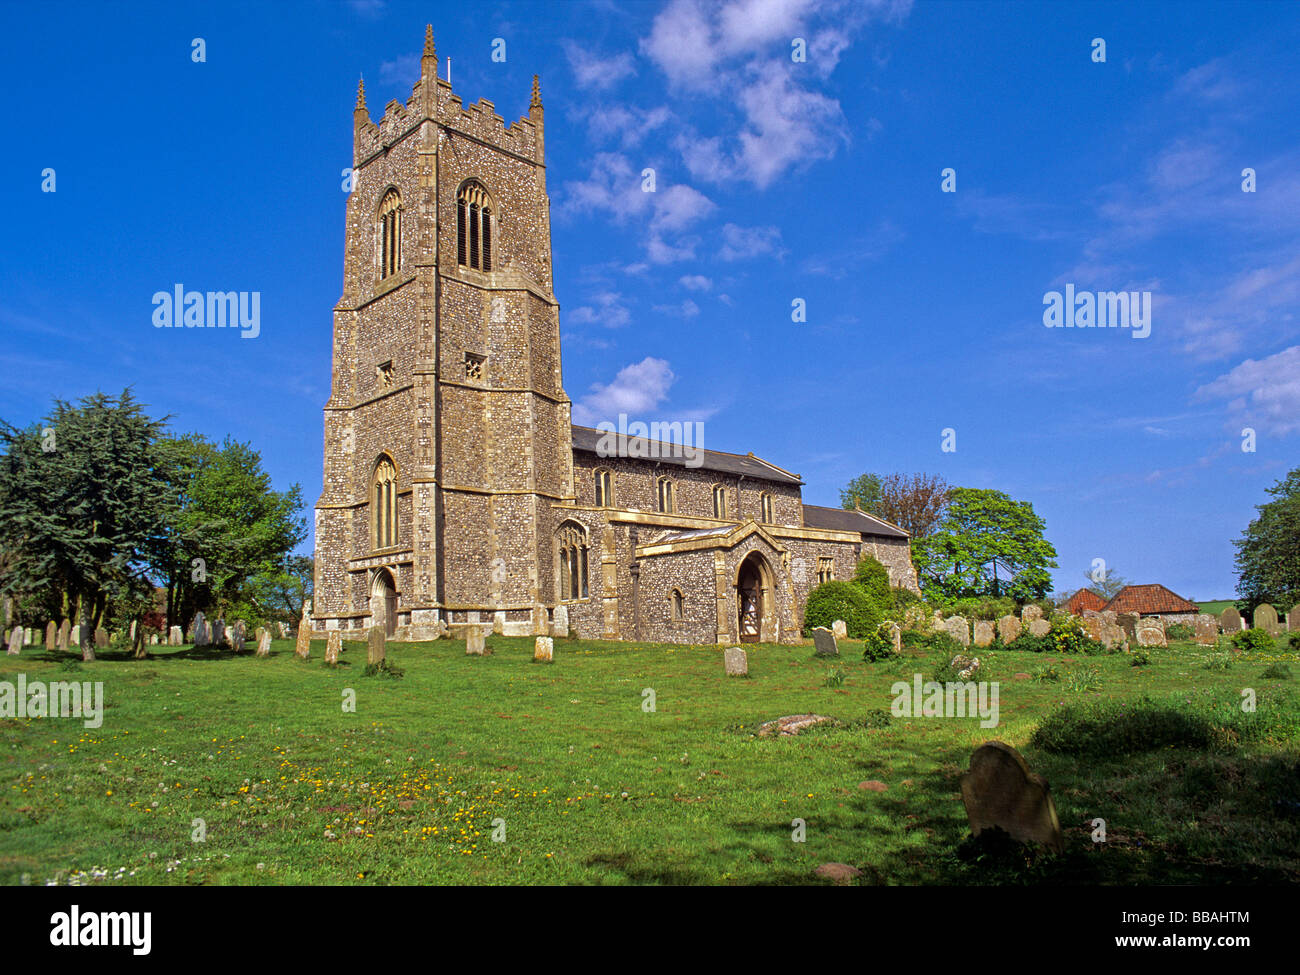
x=474, y=227
x=383, y=504
x=390, y=233
x=571, y=561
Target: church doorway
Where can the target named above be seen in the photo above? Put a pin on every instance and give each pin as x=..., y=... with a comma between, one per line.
x=383, y=602
x=750, y=597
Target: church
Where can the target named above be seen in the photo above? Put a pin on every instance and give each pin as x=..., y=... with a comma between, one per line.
x=458, y=493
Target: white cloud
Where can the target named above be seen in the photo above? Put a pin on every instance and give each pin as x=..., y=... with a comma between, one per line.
x=401, y=72
x=739, y=242
x=629, y=126
x=695, y=282
x=1264, y=393
x=606, y=308
x=687, y=309
x=637, y=388
x=592, y=71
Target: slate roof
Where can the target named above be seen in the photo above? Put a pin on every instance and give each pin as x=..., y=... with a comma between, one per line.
x=1084, y=599
x=586, y=439
x=1149, y=598
x=844, y=520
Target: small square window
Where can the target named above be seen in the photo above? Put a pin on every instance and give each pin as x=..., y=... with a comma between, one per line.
x=474, y=365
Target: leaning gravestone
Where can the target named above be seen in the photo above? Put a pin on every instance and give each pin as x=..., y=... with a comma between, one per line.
x=51, y=635
x=543, y=650
x=824, y=642
x=1231, y=621
x=1008, y=629
x=376, y=645
x=1150, y=632
x=560, y=621
x=16, y=641
x=264, y=644
x=958, y=629
x=475, y=644
x=302, y=645
x=983, y=633
x=1207, y=630
x=1000, y=791
x=1266, y=619
x=840, y=629
x=736, y=662
x=333, y=646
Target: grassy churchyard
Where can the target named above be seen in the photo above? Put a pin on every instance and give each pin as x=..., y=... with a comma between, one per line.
x=211, y=768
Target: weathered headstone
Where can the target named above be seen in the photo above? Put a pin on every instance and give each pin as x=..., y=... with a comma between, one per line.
x=735, y=662
x=824, y=643
x=1231, y=621
x=282, y=628
x=1092, y=625
x=543, y=650
x=263, y=642
x=1030, y=611
x=1266, y=619
x=74, y=636
x=1112, y=634
x=1000, y=791
x=983, y=633
x=1150, y=632
x=475, y=644
x=302, y=644
x=51, y=635
x=1207, y=629
x=1293, y=619
x=333, y=646
x=958, y=629
x=896, y=637
x=29, y=637
x=560, y=621
x=1008, y=629
x=376, y=645
x=65, y=631
x=1128, y=623
x=1039, y=627
x=131, y=635
x=235, y=635
x=16, y=641
x=153, y=639
x=840, y=629
x=175, y=637
x=101, y=638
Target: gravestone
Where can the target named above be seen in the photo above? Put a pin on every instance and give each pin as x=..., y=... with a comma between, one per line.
x=1031, y=611
x=16, y=641
x=475, y=644
x=51, y=635
x=1000, y=791
x=302, y=644
x=200, y=632
x=824, y=642
x=896, y=637
x=1112, y=634
x=65, y=631
x=1092, y=625
x=1008, y=629
x=74, y=636
x=1207, y=629
x=236, y=635
x=376, y=645
x=1128, y=623
x=958, y=629
x=131, y=635
x=1231, y=621
x=282, y=628
x=1150, y=632
x=1039, y=627
x=1266, y=619
x=983, y=633
x=174, y=636
x=153, y=639
x=29, y=638
x=333, y=647
x=543, y=650
x=263, y=642
x=101, y=638
x=736, y=662
x=560, y=621
x=840, y=629
x=1293, y=619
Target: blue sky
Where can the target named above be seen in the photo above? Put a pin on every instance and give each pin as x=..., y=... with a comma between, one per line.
x=774, y=180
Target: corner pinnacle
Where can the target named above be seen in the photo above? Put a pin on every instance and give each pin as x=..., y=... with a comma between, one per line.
x=537, y=94
x=361, y=93
x=428, y=41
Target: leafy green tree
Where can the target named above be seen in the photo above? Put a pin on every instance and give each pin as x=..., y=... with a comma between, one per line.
x=85, y=501
x=1268, y=552
x=1105, y=585
x=873, y=579
x=986, y=545
x=861, y=492
x=281, y=593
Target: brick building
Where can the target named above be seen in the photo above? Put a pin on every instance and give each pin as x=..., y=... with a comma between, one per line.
x=456, y=490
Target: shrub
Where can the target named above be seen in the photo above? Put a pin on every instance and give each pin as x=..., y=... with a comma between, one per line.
x=1050, y=674
x=834, y=678
x=845, y=601
x=1220, y=661
x=1084, y=679
x=980, y=607
x=937, y=641
x=1140, y=658
x=1276, y=672
x=879, y=643
x=1179, y=631
x=1292, y=642
x=873, y=579
x=903, y=599
x=1254, y=640
x=1067, y=635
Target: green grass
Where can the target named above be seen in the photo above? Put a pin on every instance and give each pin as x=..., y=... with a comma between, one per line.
x=594, y=789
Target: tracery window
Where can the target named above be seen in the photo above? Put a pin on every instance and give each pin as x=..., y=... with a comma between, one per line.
x=390, y=233
x=383, y=505
x=571, y=558
x=474, y=227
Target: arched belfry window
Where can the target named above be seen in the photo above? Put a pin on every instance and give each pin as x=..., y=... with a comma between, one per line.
x=474, y=227
x=383, y=504
x=604, y=489
x=571, y=561
x=765, y=508
x=667, y=495
x=390, y=233
x=719, y=501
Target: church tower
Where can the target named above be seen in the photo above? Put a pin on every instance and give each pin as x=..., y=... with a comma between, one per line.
x=447, y=430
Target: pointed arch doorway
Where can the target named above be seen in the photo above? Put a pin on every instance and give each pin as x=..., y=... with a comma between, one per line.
x=753, y=596
x=383, y=602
